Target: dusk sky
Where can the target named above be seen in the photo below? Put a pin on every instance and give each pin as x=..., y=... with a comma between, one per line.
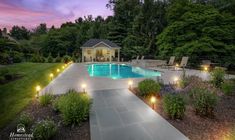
x=30, y=13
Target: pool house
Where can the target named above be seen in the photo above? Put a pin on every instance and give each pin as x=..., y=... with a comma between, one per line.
x=100, y=50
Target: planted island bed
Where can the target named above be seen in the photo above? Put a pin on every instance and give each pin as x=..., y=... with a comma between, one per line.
x=221, y=125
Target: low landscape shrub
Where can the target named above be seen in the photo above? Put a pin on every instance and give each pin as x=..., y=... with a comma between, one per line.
x=217, y=77
x=74, y=107
x=45, y=99
x=228, y=88
x=67, y=59
x=4, y=58
x=25, y=119
x=148, y=87
x=58, y=59
x=38, y=58
x=44, y=130
x=184, y=80
x=204, y=101
x=174, y=106
x=50, y=59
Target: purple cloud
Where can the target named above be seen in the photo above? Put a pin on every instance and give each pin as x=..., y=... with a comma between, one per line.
x=31, y=13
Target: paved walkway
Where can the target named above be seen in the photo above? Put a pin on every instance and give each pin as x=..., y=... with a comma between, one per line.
x=120, y=115
x=116, y=113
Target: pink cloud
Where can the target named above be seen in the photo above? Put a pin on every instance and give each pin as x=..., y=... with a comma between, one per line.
x=30, y=13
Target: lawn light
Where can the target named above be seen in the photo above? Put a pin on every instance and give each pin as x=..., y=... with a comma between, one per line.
x=83, y=87
x=130, y=83
x=62, y=67
x=153, y=101
x=58, y=70
x=51, y=75
x=66, y=65
x=38, y=88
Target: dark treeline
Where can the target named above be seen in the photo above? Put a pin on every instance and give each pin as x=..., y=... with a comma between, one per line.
x=200, y=29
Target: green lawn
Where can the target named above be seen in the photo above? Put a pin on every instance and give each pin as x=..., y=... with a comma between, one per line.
x=15, y=95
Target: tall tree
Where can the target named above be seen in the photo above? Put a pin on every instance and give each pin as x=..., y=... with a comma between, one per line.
x=41, y=29
x=200, y=32
x=20, y=32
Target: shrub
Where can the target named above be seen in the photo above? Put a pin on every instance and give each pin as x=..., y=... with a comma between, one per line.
x=38, y=59
x=217, y=77
x=50, y=58
x=4, y=58
x=44, y=130
x=17, y=56
x=228, y=88
x=74, y=107
x=58, y=58
x=204, y=101
x=148, y=87
x=174, y=106
x=25, y=119
x=45, y=99
x=55, y=104
x=67, y=59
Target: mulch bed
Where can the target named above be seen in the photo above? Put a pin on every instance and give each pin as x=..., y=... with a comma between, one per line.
x=202, y=128
x=81, y=132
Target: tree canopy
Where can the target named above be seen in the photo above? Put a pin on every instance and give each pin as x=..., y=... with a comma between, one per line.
x=200, y=29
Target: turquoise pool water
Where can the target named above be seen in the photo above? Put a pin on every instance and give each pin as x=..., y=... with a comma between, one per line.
x=119, y=71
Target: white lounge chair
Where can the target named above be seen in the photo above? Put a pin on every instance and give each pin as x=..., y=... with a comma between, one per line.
x=183, y=63
x=170, y=62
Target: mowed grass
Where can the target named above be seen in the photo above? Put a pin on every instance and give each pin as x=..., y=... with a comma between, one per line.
x=16, y=95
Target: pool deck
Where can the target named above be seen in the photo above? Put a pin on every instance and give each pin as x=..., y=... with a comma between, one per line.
x=76, y=75
x=116, y=113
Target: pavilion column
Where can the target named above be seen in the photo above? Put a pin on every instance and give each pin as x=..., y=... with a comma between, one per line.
x=110, y=55
x=92, y=55
x=82, y=55
x=118, y=55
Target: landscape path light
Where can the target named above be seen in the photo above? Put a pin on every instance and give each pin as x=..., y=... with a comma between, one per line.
x=130, y=83
x=176, y=79
x=38, y=88
x=58, y=70
x=205, y=68
x=51, y=76
x=153, y=101
x=83, y=87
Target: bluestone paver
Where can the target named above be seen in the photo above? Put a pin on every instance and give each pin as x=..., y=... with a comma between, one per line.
x=128, y=118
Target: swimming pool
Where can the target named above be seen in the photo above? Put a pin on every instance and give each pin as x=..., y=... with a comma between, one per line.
x=119, y=71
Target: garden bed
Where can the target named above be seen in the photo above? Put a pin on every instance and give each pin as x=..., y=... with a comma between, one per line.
x=64, y=132
x=201, y=128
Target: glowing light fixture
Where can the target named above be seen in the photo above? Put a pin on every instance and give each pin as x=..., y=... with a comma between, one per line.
x=205, y=68
x=153, y=101
x=51, y=75
x=130, y=83
x=63, y=67
x=83, y=87
x=58, y=70
x=38, y=88
x=176, y=79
